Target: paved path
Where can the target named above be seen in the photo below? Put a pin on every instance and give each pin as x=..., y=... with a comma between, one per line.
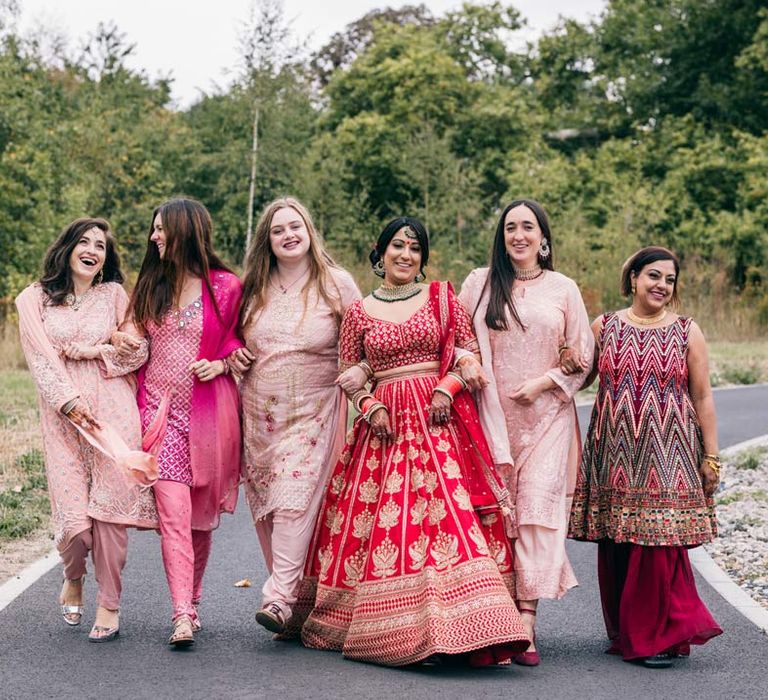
x=234, y=658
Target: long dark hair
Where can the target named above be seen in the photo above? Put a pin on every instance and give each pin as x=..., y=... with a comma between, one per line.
x=56, y=279
x=501, y=276
x=260, y=261
x=388, y=233
x=188, y=250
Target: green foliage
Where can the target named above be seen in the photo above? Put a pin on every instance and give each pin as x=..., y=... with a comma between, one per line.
x=645, y=126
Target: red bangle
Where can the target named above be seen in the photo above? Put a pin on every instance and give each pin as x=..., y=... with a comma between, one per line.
x=450, y=384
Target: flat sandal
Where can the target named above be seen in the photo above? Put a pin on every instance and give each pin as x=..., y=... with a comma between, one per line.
x=183, y=633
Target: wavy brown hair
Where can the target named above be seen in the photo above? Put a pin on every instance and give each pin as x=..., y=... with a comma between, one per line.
x=501, y=276
x=260, y=261
x=188, y=251
x=56, y=279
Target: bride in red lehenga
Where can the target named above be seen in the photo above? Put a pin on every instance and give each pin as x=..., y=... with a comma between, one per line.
x=411, y=557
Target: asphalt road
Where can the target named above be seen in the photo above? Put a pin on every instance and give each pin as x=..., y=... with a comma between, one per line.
x=234, y=658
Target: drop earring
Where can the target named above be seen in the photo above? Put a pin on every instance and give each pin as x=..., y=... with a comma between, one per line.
x=378, y=269
x=544, y=250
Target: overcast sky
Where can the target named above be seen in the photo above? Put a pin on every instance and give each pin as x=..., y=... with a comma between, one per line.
x=196, y=41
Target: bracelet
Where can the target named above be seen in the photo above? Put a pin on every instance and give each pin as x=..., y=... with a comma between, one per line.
x=67, y=407
x=359, y=399
x=714, y=462
x=450, y=385
x=363, y=365
x=225, y=364
x=371, y=407
x=465, y=360
x=562, y=349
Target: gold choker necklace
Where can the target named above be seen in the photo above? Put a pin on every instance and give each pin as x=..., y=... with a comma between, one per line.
x=646, y=320
x=527, y=273
x=400, y=292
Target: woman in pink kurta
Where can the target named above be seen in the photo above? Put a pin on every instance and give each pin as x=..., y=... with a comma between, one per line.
x=525, y=315
x=186, y=303
x=294, y=413
x=66, y=321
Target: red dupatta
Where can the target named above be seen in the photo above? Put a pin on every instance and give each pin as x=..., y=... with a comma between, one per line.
x=486, y=489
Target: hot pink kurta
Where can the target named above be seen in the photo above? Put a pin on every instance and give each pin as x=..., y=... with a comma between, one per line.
x=83, y=483
x=214, y=409
x=542, y=437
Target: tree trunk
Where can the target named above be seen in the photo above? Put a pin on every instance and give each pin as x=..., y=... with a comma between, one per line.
x=252, y=179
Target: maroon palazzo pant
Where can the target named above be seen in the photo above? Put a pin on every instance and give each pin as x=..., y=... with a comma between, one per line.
x=650, y=601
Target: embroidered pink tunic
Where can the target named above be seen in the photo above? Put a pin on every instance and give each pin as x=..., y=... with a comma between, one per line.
x=174, y=344
x=83, y=483
x=291, y=403
x=543, y=437
x=214, y=409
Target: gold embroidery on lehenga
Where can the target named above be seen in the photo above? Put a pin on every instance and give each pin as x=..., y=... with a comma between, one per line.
x=394, y=483
x=389, y=515
x=337, y=484
x=477, y=536
x=362, y=525
x=461, y=496
x=418, y=552
x=451, y=468
x=384, y=559
x=417, y=480
x=353, y=567
x=369, y=491
x=445, y=551
x=430, y=481
x=373, y=463
x=436, y=511
x=418, y=511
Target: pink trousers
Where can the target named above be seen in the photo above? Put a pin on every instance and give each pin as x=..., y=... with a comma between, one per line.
x=185, y=551
x=284, y=536
x=108, y=544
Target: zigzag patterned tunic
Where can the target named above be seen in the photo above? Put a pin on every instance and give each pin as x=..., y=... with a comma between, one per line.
x=639, y=478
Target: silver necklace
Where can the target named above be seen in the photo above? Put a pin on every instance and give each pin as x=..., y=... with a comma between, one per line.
x=400, y=292
x=283, y=287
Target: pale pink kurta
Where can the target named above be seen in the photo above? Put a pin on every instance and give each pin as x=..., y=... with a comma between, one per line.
x=543, y=437
x=83, y=483
x=291, y=404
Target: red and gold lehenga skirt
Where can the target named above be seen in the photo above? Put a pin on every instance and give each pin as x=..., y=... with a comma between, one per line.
x=410, y=557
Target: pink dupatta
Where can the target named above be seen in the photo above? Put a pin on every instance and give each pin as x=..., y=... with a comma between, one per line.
x=214, y=432
x=137, y=467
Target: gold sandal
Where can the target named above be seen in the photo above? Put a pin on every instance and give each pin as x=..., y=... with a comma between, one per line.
x=183, y=633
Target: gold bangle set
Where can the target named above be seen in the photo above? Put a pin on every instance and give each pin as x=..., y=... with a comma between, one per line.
x=714, y=462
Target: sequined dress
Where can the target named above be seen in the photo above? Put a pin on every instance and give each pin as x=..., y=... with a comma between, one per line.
x=173, y=346
x=410, y=556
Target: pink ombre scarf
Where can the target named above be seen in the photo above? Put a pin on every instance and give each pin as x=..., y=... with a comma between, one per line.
x=214, y=431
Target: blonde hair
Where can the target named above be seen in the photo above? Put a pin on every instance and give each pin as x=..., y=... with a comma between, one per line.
x=260, y=261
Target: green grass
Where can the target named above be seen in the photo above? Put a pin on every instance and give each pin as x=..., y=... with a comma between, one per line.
x=750, y=459
x=25, y=507
x=19, y=396
x=738, y=363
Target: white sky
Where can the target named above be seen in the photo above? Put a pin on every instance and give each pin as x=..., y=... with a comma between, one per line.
x=195, y=41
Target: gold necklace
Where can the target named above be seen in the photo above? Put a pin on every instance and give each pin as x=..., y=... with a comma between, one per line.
x=399, y=292
x=528, y=273
x=76, y=302
x=646, y=320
